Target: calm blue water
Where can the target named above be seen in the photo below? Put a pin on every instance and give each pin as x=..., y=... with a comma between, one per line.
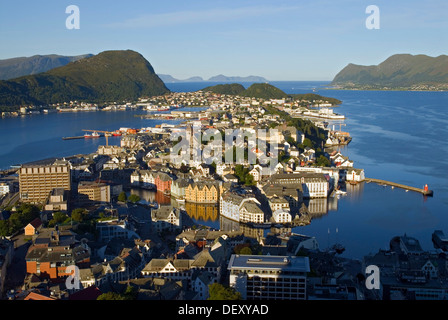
x=397, y=136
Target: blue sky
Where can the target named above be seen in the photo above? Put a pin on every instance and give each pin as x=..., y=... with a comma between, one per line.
x=279, y=40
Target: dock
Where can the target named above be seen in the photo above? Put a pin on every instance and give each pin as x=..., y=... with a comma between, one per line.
x=72, y=138
x=425, y=191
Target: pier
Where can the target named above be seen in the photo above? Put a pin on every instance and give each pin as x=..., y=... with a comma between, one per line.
x=425, y=191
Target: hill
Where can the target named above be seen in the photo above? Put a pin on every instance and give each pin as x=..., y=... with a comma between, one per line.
x=228, y=88
x=219, y=78
x=223, y=78
x=398, y=71
x=108, y=76
x=264, y=91
x=23, y=66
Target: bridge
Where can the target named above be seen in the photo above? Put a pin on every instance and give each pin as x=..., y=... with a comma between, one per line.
x=425, y=191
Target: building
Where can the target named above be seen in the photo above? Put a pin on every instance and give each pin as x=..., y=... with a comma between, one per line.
x=313, y=185
x=282, y=216
x=33, y=227
x=163, y=182
x=232, y=206
x=166, y=218
x=57, y=201
x=53, y=251
x=264, y=277
x=178, y=188
x=92, y=192
x=4, y=188
x=121, y=229
x=36, y=182
x=202, y=192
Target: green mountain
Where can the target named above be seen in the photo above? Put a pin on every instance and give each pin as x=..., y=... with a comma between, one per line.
x=264, y=91
x=401, y=70
x=108, y=76
x=23, y=66
x=228, y=88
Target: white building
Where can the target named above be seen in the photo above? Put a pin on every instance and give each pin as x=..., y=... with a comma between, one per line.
x=267, y=277
x=282, y=216
x=4, y=189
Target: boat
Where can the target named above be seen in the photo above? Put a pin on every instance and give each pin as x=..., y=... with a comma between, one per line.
x=93, y=135
x=117, y=133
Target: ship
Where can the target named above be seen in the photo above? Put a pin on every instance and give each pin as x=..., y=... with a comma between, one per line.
x=117, y=133
x=93, y=135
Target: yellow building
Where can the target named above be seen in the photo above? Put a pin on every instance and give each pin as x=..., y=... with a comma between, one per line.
x=37, y=181
x=202, y=192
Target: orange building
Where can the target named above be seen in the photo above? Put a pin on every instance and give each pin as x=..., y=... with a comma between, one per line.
x=33, y=227
x=53, y=251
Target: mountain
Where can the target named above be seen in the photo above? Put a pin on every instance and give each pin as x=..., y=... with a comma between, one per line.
x=167, y=79
x=108, y=76
x=23, y=66
x=223, y=78
x=400, y=70
x=219, y=78
x=228, y=88
x=264, y=91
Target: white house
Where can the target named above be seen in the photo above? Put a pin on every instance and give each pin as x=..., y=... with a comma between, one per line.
x=282, y=216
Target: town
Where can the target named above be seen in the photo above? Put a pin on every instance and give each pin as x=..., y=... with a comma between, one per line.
x=79, y=211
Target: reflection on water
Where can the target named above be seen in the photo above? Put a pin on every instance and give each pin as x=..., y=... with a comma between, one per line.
x=148, y=196
x=202, y=212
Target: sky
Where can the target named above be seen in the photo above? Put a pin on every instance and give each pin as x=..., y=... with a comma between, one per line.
x=279, y=40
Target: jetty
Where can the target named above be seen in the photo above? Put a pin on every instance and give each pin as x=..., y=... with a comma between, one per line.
x=425, y=191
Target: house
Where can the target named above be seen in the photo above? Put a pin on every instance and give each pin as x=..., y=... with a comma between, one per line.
x=166, y=217
x=203, y=192
x=282, y=216
x=355, y=175
x=33, y=227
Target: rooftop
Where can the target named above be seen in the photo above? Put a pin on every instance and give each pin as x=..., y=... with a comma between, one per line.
x=284, y=263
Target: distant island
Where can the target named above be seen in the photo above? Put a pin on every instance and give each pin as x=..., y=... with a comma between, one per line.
x=398, y=72
x=24, y=66
x=219, y=78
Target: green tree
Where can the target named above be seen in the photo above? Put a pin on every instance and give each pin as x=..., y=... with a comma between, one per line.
x=134, y=198
x=122, y=197
x=111, y=296
x=218, y=291
x=79, y=214
x=246, y=251
x=58, y=218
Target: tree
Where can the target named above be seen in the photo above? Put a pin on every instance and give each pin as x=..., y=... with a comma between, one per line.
x=122, y=197
x=218, y=291
x=246, y=251
x=79, y=214
x=134, y=198
x=58, y=218
x=111, y=296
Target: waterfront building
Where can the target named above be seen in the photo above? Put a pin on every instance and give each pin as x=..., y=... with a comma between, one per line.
x=313, y=185
x=355, y=175
x=277, y=203
x=178, y=188
x=282, y=216
x=163, y=182
x=36, y=182
x=232, y=206
x=264, y=277
x=202, y=192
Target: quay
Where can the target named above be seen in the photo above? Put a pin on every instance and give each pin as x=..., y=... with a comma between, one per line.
x=425, y=191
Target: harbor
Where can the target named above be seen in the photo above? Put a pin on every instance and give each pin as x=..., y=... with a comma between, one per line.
x=425, y=191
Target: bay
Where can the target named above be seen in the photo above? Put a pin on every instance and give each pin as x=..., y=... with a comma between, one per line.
x=398, y=136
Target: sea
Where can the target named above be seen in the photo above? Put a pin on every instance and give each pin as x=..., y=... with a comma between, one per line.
x=399, y=136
